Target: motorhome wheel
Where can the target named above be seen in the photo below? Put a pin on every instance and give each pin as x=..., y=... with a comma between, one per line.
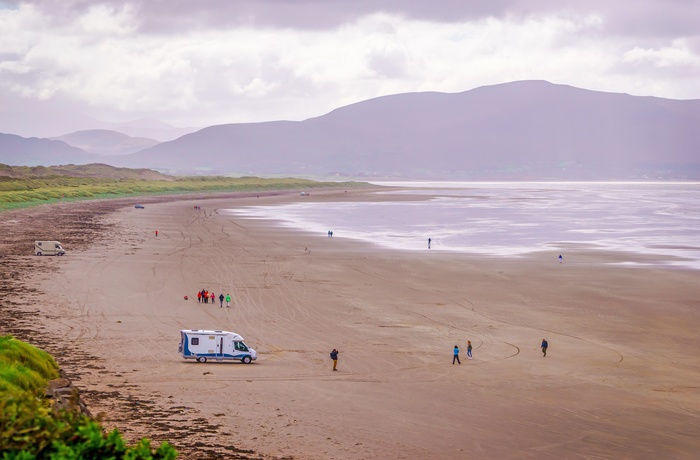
x=38, y=253
x=246, y=360
x=201, y=359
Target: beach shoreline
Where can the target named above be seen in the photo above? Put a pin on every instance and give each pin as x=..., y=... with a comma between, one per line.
x=618, y=380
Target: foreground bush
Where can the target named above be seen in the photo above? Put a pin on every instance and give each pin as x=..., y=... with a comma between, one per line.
x=31, y=429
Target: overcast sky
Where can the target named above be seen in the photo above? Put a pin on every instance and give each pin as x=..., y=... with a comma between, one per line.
x=200, y=62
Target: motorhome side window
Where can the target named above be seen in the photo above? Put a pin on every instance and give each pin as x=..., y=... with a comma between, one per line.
x=240, y=346
x=195, y=341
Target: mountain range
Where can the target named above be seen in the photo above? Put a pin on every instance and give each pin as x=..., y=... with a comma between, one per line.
x=527, y=130
x=106, y=142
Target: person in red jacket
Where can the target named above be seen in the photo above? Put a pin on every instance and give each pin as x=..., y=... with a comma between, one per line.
x=199, y=296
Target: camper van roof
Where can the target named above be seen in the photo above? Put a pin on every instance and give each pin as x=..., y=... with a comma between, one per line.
x=208, y=331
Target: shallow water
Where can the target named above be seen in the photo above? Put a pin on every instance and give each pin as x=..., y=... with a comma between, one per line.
x=513, y=219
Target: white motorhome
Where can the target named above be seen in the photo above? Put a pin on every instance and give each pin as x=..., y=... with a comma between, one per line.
x=48, y=248
x=218, y=345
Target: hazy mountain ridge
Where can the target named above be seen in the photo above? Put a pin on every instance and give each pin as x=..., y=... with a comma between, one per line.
x=33, y=151
x=106, y=142
x=521, y=130
x=146, y=128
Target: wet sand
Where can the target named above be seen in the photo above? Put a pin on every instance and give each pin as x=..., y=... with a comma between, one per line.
x=620, y=379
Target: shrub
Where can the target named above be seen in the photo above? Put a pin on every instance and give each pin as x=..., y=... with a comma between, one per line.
x=31, y=429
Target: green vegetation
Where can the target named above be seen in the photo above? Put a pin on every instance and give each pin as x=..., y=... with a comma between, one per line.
x=25, y=192
x=89, y=170
x=23, y=367
x=30, y=428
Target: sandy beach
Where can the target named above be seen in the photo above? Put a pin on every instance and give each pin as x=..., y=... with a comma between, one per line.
x=620, y=380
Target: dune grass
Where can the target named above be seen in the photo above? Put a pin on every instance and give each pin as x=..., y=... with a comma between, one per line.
x=24, y=367
x=25, y=192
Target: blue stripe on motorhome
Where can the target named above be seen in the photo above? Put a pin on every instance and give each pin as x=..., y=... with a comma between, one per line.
x=216, y=355
x=186, y=348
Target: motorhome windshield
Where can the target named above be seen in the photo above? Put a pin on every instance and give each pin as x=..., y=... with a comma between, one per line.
x=240, y=346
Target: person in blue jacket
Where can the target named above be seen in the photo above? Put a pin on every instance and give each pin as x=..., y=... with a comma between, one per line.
x=544, y=347
x=455, y=356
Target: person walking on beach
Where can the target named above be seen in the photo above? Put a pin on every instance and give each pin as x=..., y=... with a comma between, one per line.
x=544, y=347
x=205, y=294
x=228, y=300
x=429, y=241
x=560, y=258
x=469, y=349
x=213, y=298
x=455, y=356
x=156, y=233
x=221, y=300
x=199, y=296
x=334, y=357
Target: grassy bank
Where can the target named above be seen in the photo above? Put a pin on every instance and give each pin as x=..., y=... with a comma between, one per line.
x=32, y=191
x=30, y=428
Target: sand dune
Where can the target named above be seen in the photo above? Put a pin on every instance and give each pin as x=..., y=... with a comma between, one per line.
x=620, y=379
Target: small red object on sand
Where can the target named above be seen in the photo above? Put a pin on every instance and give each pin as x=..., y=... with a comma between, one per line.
x=185, y=297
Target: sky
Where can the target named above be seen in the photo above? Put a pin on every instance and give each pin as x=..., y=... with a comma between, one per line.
x=65, y=64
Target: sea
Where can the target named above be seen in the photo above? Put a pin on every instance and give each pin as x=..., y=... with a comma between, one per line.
x=512, y=219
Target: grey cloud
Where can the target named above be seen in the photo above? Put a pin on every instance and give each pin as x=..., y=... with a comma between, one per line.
x=29, y=117
x=173, y=15
x=630, y=17
x=672, y=18
x=9, y=57
x=694, y=44
x=390, y=64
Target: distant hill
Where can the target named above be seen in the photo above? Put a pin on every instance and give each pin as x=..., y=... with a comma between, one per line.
x=16, y=150
x=146, y=128
x=97, y=170
x=520, y=130
x=527, y=130
x=106, y=142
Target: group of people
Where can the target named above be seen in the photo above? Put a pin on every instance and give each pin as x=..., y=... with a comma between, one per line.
x=205, y=296
x=455, y=354
x=330, y=233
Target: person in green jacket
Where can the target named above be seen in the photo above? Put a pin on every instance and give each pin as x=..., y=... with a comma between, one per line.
x=228, y=300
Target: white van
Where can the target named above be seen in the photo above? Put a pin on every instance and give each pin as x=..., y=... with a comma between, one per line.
x=218, y=345
x=48, y=248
